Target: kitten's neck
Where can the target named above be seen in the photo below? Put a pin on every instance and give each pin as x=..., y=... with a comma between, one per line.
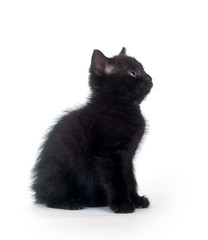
x=114, y=102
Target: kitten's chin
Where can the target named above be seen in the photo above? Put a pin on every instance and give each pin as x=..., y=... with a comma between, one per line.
x=141, y=97
x=147, y=89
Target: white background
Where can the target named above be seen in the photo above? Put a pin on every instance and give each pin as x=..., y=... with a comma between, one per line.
x=45, y=52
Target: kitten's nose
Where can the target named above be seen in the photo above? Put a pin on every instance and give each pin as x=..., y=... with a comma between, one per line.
x=148, y=78
x=148, y=81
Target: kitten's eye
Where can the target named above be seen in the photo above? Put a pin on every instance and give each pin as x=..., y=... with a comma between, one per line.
x=132, y=73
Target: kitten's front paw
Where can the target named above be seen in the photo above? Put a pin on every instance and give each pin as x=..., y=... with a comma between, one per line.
x=122, y=207
x=74, y=204
x=141, y=202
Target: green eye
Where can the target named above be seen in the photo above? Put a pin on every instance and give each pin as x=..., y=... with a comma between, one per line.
x=132, y=73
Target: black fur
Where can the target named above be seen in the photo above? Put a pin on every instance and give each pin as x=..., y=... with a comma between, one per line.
x=86, y=159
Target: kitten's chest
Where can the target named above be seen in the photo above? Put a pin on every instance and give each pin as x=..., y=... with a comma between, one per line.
x=123, y=125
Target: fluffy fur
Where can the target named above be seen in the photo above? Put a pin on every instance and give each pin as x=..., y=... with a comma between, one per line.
x=86, y=159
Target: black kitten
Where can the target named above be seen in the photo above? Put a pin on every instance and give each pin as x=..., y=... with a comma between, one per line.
x=86, y=159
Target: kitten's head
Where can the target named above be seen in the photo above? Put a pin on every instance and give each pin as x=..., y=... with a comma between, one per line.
x=119, y=78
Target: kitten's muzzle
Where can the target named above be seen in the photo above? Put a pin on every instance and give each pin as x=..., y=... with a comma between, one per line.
x=147, y=78
x=148, y=83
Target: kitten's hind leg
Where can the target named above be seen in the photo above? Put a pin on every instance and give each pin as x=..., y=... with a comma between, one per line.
x=70, y=204
x=57, y=191
x=73, y=199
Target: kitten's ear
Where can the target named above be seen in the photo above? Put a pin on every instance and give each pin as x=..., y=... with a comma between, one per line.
x=99, y=62
x=123, y=51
